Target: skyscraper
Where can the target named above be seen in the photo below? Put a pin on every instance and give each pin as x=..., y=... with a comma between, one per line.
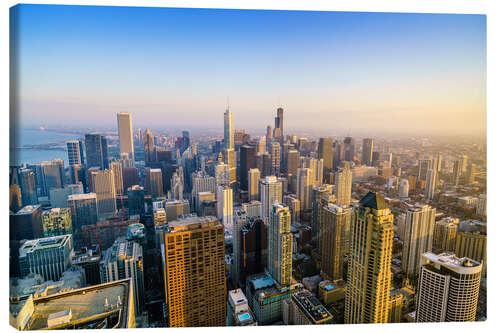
x=103, y=185
x=325, y=151
x=83, y=212
x=430, y=183
x=222, y=174
x=154, y=182
x=448, y=288
x=53, y=174
x=423, y=166
x=275, y=158
x=304, y=188
x=96, y=149
x=292, y=161
x=225, y=206
x=369, y=272
x=270, y=193
x=253, y=184
x=116, y=166
x=124, y=260
x=28, y=187
x=343, y=185
x=74, y=156
x=349, y=146
x=205, y=304
x=247, y=162
x=149, y=147
x=335, y=222
x=367, y=152
x=125, y=134
x=239, y=220
x=278, y=126
x=417, y=231
x=280, y=245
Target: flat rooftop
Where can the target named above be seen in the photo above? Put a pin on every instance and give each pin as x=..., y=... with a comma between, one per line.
x=452, y=262
x=27, y=209
x=86, y=304
x=191, y=223
x=42, y=244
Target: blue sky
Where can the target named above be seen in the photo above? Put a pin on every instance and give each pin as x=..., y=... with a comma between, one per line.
x=174, y=67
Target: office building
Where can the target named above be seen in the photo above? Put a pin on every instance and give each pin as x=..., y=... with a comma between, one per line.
x=116, y=166
x=175, y=208
x=125, y=134
x=225, y=206
x=330, y=292
x=349, y=149
x=27, y=183
x=238, y=314
x=103, y=185
x=74, y=156
x=325, y=151
x=154, y=182
x=53, y=174
x=369, y=270
x=270, y=193
x=48, y=257
x=252, y=208
x=317, y=203
x=266, y=297
x=343, y=185
x=247, y=162
x=159, y=217
x=251, y=250
x=15, y=198
x=448, y=288
x=471, y=242
x=304, y=187
x=416, y=233
x=303, y=308
x=59, y=196
x=205, y=198
x=56, y=222
x=367, y=155
x=280, y=245
x=149, y=147
x=430, y=184
x=335, y=222
x=292, y=161
x=26, y=223
x=204, y=305
x=83, y=212
x=294, y=205
x=105, y=233
x=239, y=220
x=124, y=260
x=253, y=184
x=89, y=260
x=396, y=306
x=278, y=126
x=96, y=151
x=229, y=145
x=445, y=235
x=136, y=200
x=423, y=166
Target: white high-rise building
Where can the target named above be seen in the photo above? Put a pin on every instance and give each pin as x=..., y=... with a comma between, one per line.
x=125, y=133
x=270, y=193
x=417, y=231
x=430, y=185
x=225, y=206
x=343, y=184
x=261, y=147
x=253, y=184
x=252, y=208
x=448, y=288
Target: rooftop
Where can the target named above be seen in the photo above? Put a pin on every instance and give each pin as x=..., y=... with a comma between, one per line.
x=373, y=200
x=312, y=307
x=191, y=223
x=42, y=244
x=452, y=262
x=27, y=209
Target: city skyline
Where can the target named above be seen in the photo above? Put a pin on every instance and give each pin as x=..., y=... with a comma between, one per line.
x=347, y=72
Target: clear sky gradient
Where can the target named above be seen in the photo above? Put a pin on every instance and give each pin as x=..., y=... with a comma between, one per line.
x=334, y=71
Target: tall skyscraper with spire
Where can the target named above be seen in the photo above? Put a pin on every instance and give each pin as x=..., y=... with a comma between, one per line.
x=369, y=272
x=125, y=133
x=229, y=145
x=278, y=126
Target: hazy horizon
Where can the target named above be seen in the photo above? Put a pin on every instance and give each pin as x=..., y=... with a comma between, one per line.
x=338, y=72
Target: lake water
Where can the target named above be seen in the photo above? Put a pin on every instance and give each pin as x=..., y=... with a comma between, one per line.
x=37, y=137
